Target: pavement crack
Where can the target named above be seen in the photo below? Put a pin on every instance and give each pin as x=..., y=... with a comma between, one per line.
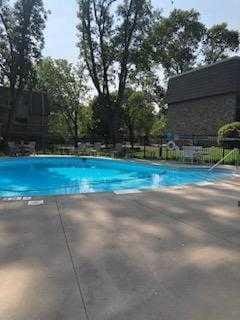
x=80, y=290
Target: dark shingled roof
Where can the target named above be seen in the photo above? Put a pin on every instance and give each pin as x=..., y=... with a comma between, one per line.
x=219, y=78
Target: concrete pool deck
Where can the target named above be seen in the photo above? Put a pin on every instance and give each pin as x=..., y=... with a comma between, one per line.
x=159, y=255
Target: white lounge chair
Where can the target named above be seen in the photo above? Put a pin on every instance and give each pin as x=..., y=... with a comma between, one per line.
x=118, y=149
x=191, y=153
x=81, y=146
x=97, y=146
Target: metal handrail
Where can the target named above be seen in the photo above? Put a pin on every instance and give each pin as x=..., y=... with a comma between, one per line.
x=220, y=161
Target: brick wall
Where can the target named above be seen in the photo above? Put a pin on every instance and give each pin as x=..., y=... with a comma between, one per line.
x=202, y=116
x=30, y=121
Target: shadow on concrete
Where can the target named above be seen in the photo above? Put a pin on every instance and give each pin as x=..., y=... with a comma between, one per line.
x=158, y=255
x=155, y=255
x=37, y=278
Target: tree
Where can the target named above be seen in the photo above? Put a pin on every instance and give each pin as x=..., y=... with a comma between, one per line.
x=149, y=83
x=138, y=113
x=159, y=126
x=102, y=116
x=109, y=43
x=219, y=42
x=59, y=128
x=146, y=116
x=175, y=40
x=21, y=43
x=66, y=90
x=134, y=102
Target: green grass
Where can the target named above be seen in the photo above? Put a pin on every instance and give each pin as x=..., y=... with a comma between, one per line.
x=211, y=155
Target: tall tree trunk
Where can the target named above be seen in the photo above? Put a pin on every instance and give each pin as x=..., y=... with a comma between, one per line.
x=115, y=123
x=76, y=138
x=113, y=118
x=131, y=137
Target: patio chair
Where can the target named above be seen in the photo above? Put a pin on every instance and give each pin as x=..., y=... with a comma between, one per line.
x=118, y=150
x=97, y=146
x=13, y=148
x=198, y=150
x=28, y=148
x=118, y=147
x=81, y=146
x=191, y=153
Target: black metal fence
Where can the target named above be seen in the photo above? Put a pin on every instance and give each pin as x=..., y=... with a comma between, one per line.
x=201, y=149
x=208, y=155
x=195, y=149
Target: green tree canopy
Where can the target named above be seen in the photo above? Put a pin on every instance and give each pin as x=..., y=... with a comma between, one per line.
x=111, y=34
x=138, y=115
x=159, y=126
x=219, y=42
x=103, y=117
x=66, y=88
x=175, y=40
x=181, y=41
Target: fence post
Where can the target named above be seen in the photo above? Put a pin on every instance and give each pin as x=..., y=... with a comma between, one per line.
x=237, y=158
x=160, y=148
x=144, y=147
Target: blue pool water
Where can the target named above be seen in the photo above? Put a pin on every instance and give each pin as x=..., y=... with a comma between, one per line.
x=70, y=175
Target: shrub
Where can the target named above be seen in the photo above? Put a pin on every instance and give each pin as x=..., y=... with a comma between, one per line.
x=228, y=133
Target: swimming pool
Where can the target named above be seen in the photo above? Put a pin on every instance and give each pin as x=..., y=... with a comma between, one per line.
x=40, y=176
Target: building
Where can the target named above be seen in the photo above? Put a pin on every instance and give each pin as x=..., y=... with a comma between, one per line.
x=30, y=122
x=202, y=100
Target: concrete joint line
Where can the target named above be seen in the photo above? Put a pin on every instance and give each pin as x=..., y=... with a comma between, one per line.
x=72, y=260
